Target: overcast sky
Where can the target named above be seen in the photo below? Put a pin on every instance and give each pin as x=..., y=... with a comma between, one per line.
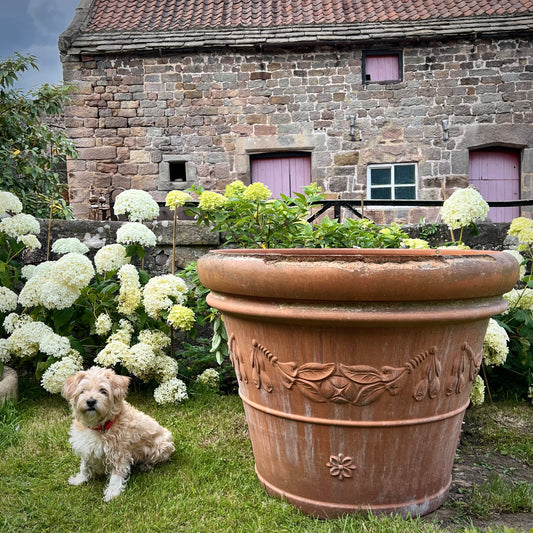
x=33, y=27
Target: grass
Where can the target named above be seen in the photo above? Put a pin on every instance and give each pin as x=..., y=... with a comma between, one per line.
x=208, y=486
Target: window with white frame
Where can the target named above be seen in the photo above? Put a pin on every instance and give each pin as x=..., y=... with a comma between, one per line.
x=392, y=182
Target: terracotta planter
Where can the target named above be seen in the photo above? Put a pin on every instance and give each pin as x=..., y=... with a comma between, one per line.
x=355, y=367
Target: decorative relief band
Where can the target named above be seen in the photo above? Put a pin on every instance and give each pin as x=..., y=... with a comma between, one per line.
x=355, y=384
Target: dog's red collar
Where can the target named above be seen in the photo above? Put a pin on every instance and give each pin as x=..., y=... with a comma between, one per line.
x=105, y=426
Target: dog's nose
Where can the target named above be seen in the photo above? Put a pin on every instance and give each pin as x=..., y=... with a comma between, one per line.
x=91, y=402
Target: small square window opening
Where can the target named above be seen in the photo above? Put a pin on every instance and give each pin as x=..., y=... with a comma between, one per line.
x=380, y=67
x=177, y=171
x=392, y=182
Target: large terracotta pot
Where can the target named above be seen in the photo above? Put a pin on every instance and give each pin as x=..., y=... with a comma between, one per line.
x=355, y=366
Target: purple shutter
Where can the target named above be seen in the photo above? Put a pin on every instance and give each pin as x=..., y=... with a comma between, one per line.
x=496, y=175
x=282, y=175
x=382, y=67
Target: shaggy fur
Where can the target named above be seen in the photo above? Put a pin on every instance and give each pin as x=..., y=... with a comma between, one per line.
x=109, y=435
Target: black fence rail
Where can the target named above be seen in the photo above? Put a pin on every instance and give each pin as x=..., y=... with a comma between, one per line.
x=357, y=207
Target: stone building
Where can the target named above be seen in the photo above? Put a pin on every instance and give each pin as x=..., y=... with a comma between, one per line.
x=371, y=99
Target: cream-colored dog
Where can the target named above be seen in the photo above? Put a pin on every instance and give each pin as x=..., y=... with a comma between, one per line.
x=109, y=435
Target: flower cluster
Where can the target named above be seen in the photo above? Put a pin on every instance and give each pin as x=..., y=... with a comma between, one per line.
x=210, y=201
x=256, y=192
x=103, y=324
x=181, y=317
x=136, y=205
x=161, y=292
x=19, y=225
x=57, y=284
x=57, y=373
x=136, y=233
x=30, y=338
x=111, y=257
x=209, y=378
x=171, y=391
x=477, y=394
x=129, y=296
x=464, y=207
x=415, y=244
x=495, y=349
x=176, y=199
x=8, y=300
x=30, y=241
x=234, y=189
x=522, y=228
x=9, y=203
x=69, y=245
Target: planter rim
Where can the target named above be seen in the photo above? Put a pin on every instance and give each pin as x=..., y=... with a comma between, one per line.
x=352, y=274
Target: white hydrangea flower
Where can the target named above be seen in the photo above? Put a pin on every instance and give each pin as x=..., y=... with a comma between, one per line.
x=14, y=321
x=136, y=233
x=48, y=291
x=123, y=333
x=165, y=368
x=30, y=338
x=136, y=205
x=8, y=300
x=19, y=225
x=520, y=298
x=112, y=353
x=140, y=360
x=209, y=378
x=158, y=292
x=463, y=207
x=69, y=245
x=110, y=258
x=103, y=324
x=154, y=338
x=5, y=356
x=129, y=296
x=27, y=271
x=31, y=242
x=57, y=373
x=9, y=203
x=172, y=391
x=495, y=349
x=477, y=394
x=75, y=270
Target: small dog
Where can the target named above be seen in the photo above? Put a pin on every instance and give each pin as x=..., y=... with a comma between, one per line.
x=109, y=435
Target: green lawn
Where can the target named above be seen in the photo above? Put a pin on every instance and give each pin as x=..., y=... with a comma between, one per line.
x=208, y=486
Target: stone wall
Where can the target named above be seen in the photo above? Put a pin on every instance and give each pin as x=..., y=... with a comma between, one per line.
x=212, y=109
x=193, y=241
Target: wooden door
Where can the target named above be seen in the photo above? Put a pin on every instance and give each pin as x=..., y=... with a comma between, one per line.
x=496, y=175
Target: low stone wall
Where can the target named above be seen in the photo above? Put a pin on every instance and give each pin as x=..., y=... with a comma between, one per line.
x=192, y=241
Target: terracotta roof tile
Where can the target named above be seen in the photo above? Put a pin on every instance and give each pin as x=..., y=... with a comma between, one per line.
x=169, y=15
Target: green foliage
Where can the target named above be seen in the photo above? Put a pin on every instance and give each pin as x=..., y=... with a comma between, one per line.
x=10, y=421
x=282, y=223
x=30, y=150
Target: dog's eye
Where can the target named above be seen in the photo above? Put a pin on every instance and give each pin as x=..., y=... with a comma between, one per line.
x=103, y=391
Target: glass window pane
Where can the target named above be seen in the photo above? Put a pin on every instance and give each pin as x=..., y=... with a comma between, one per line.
x=404, y=174
x=405, y=193
x=380, y=176
x=381, y=193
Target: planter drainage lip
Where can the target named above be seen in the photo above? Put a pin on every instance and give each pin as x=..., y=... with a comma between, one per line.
x=362, y=275
x=334, y=510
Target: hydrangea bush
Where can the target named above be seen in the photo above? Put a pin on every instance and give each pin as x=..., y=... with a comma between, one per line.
x=69, y=313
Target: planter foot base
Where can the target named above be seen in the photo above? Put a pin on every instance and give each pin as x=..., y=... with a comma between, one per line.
x=322, y=509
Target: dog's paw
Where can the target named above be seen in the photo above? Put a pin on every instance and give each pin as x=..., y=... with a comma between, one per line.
x=115, y=487
x=78, y=479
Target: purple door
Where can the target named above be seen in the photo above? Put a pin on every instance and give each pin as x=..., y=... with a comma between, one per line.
x=496, y=175
x=282, y=174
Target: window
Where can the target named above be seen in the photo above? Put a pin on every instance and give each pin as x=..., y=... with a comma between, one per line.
x=177, y=171
x=391, y=182
x=379, y=67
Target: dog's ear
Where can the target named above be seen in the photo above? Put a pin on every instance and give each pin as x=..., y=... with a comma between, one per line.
x=120, y=385
x=71, y=384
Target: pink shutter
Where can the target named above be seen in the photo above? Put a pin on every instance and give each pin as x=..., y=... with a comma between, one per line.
x=282, y=175
x=496, y=175
x=382, y=67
